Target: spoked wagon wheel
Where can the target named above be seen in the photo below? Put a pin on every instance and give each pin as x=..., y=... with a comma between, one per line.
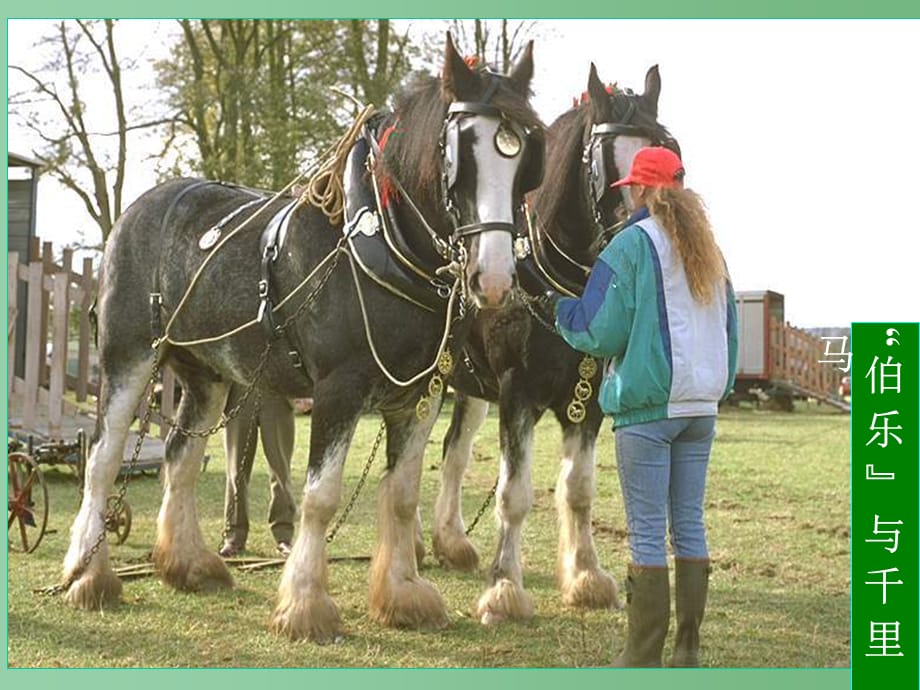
x=118, y=522
x=27, y=499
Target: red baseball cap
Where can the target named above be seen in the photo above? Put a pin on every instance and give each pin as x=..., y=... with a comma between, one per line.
x=654, y=166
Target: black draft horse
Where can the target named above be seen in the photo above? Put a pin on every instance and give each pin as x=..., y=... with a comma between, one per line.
x=453, y=205
x=514, y=359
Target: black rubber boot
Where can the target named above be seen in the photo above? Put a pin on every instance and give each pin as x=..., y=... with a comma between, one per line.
x=691, y=585
x=648, y=597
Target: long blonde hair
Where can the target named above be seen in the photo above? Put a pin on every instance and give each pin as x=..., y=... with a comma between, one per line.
x=682, y=214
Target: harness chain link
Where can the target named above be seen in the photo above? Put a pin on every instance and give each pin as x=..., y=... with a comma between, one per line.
x=528, y=301
x=198, y=433
x=482, y=508
x=346, y=511
x=120, y=496
x=243, y=470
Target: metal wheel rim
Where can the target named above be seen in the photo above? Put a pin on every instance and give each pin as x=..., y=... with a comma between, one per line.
x=27, y=500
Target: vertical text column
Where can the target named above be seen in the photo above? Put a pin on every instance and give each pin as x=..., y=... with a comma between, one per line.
x=884, y=433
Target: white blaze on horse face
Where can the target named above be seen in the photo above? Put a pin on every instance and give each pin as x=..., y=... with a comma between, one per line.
x=492, y=261
x=625, y=149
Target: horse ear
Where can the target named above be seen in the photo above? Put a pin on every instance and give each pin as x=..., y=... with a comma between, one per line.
x=652, y=89
x=522, y=72
x=457, y=80
x=600, y=101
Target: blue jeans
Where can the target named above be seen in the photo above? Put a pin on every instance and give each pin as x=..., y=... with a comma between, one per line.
x=662, y=467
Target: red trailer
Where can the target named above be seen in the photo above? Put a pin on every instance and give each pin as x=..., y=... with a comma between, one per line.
x=779, y=361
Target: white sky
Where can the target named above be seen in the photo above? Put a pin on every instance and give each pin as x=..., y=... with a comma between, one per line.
x=801, y=135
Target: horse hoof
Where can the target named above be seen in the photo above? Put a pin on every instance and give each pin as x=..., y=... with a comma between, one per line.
x=205, y=573
x=413, y=603
x=504, y=601
x=94, y=591
x=456, y=553
x=315, y=618
x=591, y=589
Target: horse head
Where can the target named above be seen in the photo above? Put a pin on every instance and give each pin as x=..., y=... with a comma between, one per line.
x=619, y=123
x=473, y=179
x=589, y=147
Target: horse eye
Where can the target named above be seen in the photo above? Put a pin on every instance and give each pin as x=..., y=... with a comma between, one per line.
x=507, y=142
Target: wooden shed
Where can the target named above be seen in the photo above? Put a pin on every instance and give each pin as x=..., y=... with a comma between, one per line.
x=22, y=176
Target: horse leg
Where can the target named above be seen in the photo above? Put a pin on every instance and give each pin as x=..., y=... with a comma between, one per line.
x=419, y=537
x=451, y=546
x=583, y=582
x=94, y=583
x=304, y=609
x=506, y=599
x=181, y=557
x=398, y=596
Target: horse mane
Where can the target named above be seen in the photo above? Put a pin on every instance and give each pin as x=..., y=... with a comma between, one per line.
x=412, y=154
x=564, y=134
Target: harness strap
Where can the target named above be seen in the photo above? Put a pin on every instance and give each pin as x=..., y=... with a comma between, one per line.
x=477, y=228
x=271, y=241
x=156, y=295
x=474, y=108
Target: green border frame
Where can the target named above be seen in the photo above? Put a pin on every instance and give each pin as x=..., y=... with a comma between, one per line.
x=403, y=679
x=648, y=9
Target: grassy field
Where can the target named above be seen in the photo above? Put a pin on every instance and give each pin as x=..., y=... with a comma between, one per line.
x=778, y=517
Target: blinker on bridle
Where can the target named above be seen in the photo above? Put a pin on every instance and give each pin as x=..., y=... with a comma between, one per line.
x=508, y=143
x=594, y=156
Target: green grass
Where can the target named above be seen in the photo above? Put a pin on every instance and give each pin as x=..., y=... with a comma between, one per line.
x=778, y=517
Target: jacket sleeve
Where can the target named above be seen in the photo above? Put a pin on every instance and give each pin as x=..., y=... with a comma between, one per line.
x=599, y=322
x=731, y=328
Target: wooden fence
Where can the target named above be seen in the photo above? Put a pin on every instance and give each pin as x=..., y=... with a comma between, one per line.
x=796, y=360
x=58, y=325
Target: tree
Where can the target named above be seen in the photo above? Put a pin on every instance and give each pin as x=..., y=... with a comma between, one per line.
x=255, y=95
x=84, y=142
x=494, y=41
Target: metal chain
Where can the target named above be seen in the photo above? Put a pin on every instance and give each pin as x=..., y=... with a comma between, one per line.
x=354, y=496
x=483, y=508
x=260, y=368
x=198, y=433
x=229, y=414
x=120, y=496
x=528, y=301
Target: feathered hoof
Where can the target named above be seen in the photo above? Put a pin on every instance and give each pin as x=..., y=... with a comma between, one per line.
x=504, y=601
x=591, y=589
x=315, y=618
x=455, y=552
x=206, y=572
x=94, y=591
x=412, y=603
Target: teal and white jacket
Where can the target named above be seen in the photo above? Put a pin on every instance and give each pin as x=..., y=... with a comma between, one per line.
x=670, y=356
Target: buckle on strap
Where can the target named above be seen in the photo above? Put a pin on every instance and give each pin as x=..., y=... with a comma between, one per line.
x=295, y=358
x=156, y=323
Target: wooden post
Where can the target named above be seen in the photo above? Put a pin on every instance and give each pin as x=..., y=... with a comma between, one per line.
x=85, y=330
x=47, y=269
x=13, y=295
x=35, y=353
x=60, y=305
